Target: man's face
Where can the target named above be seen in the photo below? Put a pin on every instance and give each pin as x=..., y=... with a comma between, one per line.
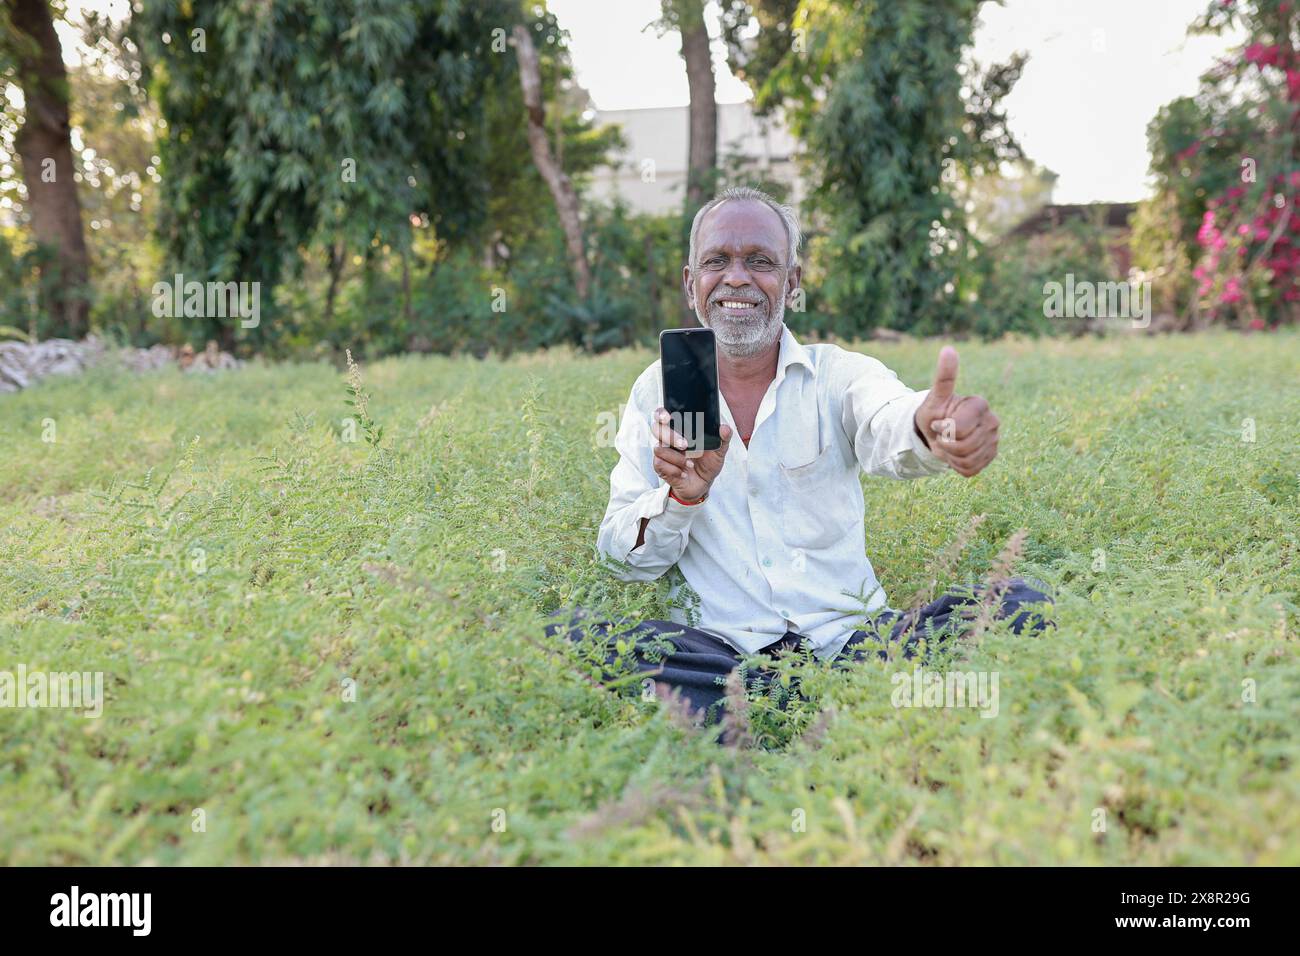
x=739, y=283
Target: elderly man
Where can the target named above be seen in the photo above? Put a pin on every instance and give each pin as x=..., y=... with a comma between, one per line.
x=768, y=530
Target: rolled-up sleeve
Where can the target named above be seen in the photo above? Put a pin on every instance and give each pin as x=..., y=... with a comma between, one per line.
x=637, y=492
x=878, y=414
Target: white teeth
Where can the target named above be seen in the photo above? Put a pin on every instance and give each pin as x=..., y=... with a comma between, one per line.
x=732, y=304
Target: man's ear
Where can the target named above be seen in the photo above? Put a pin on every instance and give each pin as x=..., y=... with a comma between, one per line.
x=689, y=287
x=792, y=280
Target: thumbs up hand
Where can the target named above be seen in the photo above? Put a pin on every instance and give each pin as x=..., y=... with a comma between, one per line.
x=959, y=429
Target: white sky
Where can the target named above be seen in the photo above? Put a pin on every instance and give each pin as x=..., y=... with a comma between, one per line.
x=1098, y=71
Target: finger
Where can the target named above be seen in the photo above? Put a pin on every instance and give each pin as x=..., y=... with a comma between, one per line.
x=968, y=414
x=975, y=463
x=670, y=456
x=945, y=432
x=664, y=433
x=987, y=443
x=984, y=432
x=945, y=374
x=667, y=472
x=970, y=471
x=720, y=453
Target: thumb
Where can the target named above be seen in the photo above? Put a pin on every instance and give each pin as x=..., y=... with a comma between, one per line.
x=719, y=454
x=945, y=374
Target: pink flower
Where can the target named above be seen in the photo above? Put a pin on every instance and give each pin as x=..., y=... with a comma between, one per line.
x=1262, y=55
x=1205, y=235
x=1257, y=324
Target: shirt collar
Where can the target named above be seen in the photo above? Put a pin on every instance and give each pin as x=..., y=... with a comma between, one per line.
x=792, y=353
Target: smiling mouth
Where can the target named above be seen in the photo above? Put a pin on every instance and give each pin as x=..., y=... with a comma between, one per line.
x=736, y=306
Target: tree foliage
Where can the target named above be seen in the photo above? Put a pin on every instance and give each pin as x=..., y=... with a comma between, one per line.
x=315, y=119
x=892, y=111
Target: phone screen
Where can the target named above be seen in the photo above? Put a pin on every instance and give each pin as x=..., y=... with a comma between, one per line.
x=689, y=361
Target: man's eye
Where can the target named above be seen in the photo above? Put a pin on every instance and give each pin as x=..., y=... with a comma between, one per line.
x=714, y=262
x=760, y=262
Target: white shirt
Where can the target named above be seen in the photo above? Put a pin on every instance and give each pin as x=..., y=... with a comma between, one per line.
x=779, y=544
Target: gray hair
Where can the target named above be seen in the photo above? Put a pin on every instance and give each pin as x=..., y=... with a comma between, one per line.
x=788, y=219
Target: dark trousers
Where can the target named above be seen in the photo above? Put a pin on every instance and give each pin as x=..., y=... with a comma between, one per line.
x=696, y=663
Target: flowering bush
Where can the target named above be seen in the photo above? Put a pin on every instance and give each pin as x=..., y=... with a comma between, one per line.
x=1228, y=168
x=1250, y=261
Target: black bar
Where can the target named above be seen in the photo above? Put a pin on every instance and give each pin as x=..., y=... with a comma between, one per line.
x=334, y=905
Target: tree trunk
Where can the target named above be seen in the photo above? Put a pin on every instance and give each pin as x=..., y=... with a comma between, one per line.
x=702, y=153
x=406, y=289
x=45, y=145
x=652, y=283
x=561, y=187
x=338, y=254
x=702, y=157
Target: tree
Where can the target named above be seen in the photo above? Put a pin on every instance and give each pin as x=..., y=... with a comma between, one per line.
x=687, y=18
x=561, y=187
x=318, y=124
x=30, y=50
x=891, y=112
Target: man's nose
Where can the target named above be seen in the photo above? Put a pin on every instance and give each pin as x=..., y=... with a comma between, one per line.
x=737, y=274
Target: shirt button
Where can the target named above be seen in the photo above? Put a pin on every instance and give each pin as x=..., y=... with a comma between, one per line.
x=753, y=492
x=767, y=562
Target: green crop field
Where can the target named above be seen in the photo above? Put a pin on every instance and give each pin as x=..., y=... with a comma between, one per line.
x=315, y=650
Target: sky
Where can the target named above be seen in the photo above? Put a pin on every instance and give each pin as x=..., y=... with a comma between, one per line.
x=1098, y=71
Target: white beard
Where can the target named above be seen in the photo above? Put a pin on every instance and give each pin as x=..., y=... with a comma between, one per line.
x=741, y=339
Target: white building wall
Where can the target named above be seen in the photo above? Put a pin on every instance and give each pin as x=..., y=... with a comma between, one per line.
x=650, y=176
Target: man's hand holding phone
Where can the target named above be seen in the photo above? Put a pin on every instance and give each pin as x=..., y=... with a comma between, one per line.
x=689, y=477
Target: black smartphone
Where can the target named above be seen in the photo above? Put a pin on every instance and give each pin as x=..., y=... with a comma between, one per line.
x=688, y=359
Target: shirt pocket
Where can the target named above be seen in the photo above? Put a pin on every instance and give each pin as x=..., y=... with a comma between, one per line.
x=811, y=517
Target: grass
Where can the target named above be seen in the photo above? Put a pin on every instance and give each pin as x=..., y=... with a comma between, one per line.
x=333, y=651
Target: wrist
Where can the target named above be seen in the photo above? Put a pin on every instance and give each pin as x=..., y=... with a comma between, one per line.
x=687, y=501
x=916, y=426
